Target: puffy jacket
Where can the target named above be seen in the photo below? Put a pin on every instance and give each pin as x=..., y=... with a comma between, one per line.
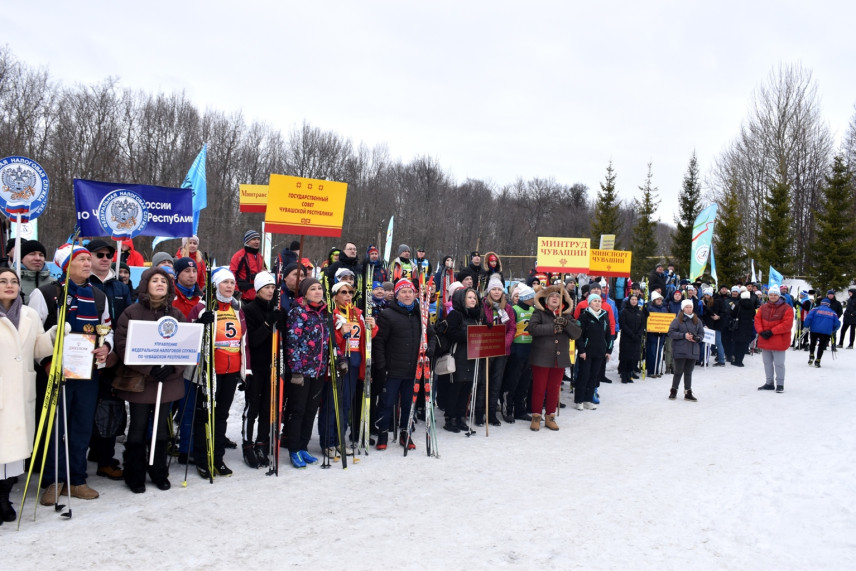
x=595, y=339
x=245, y=264
x=850, y=309
x=822, y=319
x=632, y=326
x=395, y=348
x=681, y=347
x=776, y=317
x=132, y=257
x=308, y=340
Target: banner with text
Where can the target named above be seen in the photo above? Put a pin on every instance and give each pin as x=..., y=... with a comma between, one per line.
x=610, y=263
x=702, y=239
x=163, y=342
x=124, y=211
x=305, y=206
x=564, y=255
x=484, y=341
x=659, y=322
x=253, y=197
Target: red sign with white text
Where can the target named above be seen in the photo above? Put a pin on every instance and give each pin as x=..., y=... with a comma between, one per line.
x=484, y=341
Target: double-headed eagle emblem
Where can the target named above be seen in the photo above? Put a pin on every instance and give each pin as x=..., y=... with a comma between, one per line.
x=20, y=183
x=124, y=213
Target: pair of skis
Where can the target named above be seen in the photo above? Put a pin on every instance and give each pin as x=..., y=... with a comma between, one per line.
x=423, y=377
x=364, y=434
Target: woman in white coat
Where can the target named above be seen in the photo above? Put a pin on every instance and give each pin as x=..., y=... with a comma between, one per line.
x=22, y=341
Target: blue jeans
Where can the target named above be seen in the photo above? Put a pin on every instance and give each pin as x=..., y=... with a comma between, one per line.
x=720, y=348
x=393, y=390
x=82, y=396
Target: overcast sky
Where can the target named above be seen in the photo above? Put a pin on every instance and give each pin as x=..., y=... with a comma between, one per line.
x=494, y=90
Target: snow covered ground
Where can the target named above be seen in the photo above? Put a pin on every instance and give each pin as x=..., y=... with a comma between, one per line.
x=740, y=480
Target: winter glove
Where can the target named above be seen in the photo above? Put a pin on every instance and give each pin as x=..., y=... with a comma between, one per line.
x=340, y=321
x=161, y=373
x=52, y=331
x=560, y=320
x=275, y=317
x=297, y=379
x=766, y=334
x=242, y=386
x=503, y=316
x=205, y=318
x=342, y=365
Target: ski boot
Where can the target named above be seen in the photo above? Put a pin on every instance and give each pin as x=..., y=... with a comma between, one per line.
x=811, y=359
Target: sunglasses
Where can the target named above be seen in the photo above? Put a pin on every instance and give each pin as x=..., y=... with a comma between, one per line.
x=102, y=254
x=346, y=291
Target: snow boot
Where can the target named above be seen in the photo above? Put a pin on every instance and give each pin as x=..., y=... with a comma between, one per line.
x=261, y=451
x=766, y=387
x=817, y=363
x=221, y=469
x=250, y=458
x=7, y=513
x=158, y=471
x=462, y=424
x=688, y=395
x=403, y=440
x=673, y=394
x=536, y=423
x=135, y=466
x=780, y=388
x=451, y=425
x=811, y=359
x=382, y=439
x=550, y=422
x=307, y=457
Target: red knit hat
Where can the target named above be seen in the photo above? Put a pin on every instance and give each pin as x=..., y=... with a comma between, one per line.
x=403, y=283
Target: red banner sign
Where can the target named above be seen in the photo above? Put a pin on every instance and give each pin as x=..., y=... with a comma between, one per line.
x=484, y=341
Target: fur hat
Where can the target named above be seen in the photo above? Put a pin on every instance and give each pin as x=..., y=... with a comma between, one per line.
x=544, y=292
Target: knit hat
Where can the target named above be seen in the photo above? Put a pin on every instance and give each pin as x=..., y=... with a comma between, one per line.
x=686, y=303
x=783, y=287
x=593, y=296
x=525, y=292
x=403, y=283
x=735, y=288
x=124, y=266
x=453, y=287
x=475, y=254
x=66, y=253
x=342, y=273
x=830, y=292
x=774, y=291
x=288, y=269
x=250, y=235
x=388, y=286
x=803, y=295
x=745, y=294
x=372, y=248
x=184, y=241
x=220, y=274
x=495, y=282
x=182, y=264
x=656, y=295
x=707, y=291
x=30, y=246
x=403, y=248
x=376, y=284
x=160, y=258
x=294, y=246
x=263, y=279
x=305, y=285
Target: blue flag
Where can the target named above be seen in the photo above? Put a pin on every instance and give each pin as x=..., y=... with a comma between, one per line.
x=124, y=211
x=775, y=278
x=196, y=182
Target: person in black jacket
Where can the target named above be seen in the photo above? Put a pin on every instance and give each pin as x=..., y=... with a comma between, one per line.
x=631, y=325
x=834, y=304
x=395, y=352
x=744, y=313
x=594, y=348
x=467, y=311
x=849, y=318
x=262, y=316
x=718, y=318
x=657, y=281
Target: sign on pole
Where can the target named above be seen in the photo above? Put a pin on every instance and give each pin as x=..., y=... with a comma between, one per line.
x=610, y=263
x=484, y=341
x=659, y=322
x=253, y=197
x=607, y=241
x=563, y=255
x=305, y=206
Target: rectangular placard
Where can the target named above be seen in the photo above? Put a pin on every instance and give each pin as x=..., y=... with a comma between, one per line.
x=163, y=342
x=484, y=341
x=563, y=255
x=253, y=197
x=305, y=206
x=659, y=322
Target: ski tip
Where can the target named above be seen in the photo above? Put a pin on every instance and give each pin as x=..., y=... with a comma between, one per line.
x=184, y=484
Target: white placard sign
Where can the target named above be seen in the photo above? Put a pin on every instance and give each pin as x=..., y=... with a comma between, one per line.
x=709, y=335
x=163, y=342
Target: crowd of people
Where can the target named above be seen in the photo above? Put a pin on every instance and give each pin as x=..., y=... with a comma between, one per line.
x=322, y=321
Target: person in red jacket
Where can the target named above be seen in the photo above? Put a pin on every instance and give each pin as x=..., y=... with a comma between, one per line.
x=190, y=249
x=774, y=322
x=246, y=263
x=129, y=255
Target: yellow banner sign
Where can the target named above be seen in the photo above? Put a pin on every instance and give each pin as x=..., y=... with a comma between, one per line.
x=610, y=263
x=253, y=197
x=659, y=322
x=564, y=255
x=305, y=206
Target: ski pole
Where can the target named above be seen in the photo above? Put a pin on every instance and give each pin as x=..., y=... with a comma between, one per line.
x=155, y=423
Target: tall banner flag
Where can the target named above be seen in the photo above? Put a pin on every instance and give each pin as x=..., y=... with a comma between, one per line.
x=702, y=238
x=24, y=187
x=388, y=248
x=196, y=182
x=713, y=267
x=123, y=211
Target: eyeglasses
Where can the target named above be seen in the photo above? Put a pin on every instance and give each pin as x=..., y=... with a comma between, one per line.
x=5, y=282
x=102, y=254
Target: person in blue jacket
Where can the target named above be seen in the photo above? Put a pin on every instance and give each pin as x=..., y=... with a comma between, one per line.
x=822, y=321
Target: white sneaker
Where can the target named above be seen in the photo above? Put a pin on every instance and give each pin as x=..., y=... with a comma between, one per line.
x=579, y=406
x=589, y=405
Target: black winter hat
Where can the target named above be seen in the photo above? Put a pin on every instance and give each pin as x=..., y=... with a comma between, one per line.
x=30, y=246
x=294, y=246
x=182, y=264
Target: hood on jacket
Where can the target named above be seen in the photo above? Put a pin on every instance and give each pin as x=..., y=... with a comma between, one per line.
x=143, y=287
x=458, y=302
x=486, y=265
x=541, y=297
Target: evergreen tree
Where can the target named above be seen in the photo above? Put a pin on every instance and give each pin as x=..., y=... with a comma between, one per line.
x=729, y=251
x=689, y=207
x=835, y=237
x=775, y=238
x=644, y=244
x=606, y=210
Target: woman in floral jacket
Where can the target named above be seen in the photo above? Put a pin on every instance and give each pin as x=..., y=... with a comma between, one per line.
x=308, y=354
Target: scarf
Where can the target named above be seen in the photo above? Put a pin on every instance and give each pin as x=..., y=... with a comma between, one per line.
x=14, y=312
x=186, y=291
x=222, y=298
x=82, y=310
x=407, y=307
